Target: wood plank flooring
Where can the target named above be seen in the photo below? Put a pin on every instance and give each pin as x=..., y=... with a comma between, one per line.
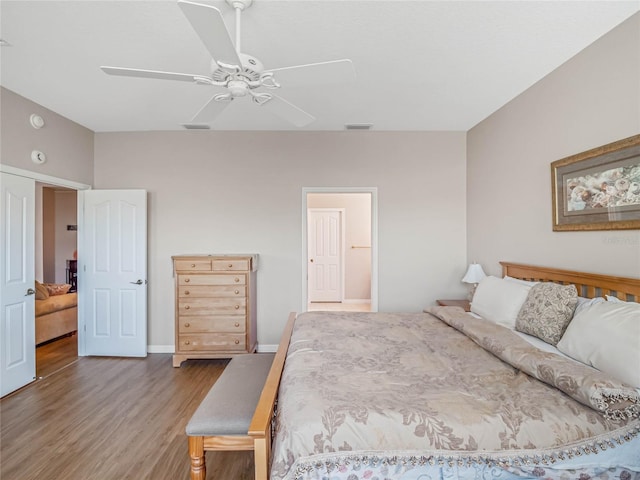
x=52, y=356
x=111, y=419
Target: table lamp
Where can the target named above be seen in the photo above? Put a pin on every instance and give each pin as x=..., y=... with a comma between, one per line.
x=474, y=275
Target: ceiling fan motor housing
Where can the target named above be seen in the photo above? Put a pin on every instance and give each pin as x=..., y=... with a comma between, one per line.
x=251, y=69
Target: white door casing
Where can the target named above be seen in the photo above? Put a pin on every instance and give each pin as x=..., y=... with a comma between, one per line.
x=112, y=272
x=373, y=191
x=326, y=245
x=17, y=324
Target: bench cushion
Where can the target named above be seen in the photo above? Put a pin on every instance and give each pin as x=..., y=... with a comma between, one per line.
x=229, y=406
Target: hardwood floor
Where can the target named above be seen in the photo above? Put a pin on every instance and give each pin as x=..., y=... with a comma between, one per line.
x=55, y=355
x=104, y=418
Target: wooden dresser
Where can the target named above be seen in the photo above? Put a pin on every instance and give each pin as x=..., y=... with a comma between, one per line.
x=215, y=306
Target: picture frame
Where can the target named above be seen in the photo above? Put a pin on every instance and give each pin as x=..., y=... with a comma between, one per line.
x=598, y=189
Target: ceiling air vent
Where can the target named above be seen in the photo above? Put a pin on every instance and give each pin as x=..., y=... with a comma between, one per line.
x=358, y=126
x=196, y=126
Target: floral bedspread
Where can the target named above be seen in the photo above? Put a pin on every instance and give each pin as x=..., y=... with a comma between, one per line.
x=398, y=391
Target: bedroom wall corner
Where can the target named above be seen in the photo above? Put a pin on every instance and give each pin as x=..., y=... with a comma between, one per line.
x=591, y=100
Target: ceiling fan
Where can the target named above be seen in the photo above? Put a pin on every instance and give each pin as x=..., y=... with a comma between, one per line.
x=241, y=75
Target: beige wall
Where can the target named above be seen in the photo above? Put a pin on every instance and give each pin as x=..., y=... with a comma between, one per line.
x=67, y=145
x=219, y=192
x=591, y=100
x=66, y=240
x=48, y=228
x=357, y=261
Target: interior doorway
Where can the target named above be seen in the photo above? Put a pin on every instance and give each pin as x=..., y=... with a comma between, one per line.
x=340, y=249
x=55, y=256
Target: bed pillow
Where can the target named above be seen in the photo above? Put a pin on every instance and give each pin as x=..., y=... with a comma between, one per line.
x=499, y=300
x=607, y=336
x=57, y=288
x=547, y=311
x=617, y=300
x=519, y=280
x=586, y=303
x=41, y=291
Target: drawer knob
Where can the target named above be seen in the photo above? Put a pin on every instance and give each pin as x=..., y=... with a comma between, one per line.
x=187, y=325
x=186, y=280
x=237, y=307
x=237, y=324
x=193, y=265
x=236, y=279
x=230, y=265
x=187, y=307
x=237, y=342
x=186, y=292
x=237, y=292
x=187, y=342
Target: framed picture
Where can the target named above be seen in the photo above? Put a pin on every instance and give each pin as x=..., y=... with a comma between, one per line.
x=598, y=189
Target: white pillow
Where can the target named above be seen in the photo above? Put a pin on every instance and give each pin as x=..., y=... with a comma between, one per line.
x=606, y=336
x=617, y=300
x=586, y=302
x=499, y=300
x=518, y=280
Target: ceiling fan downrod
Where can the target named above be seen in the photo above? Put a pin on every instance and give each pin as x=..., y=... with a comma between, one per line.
x=239, y=6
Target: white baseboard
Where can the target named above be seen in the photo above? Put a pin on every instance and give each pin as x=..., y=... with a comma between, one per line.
x=356, y=300
x=267, y=348
x=161, y=349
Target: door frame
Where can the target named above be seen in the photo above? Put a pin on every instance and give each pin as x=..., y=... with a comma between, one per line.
x=373, y=191
x=342, y=250
x=58, y=182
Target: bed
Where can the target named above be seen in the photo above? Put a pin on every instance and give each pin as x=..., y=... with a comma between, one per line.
x=56, y=315
x=443, y=394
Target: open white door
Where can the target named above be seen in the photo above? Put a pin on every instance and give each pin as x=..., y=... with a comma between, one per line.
x=325, y=255
x=112, y=272
x=17, y=298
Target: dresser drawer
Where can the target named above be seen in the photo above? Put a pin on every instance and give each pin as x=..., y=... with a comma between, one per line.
x=212, y=279
x=231, y=265
x=193, y=265
x=205, y=291
x=212, y=306
x=211, y=324
x=212, y=342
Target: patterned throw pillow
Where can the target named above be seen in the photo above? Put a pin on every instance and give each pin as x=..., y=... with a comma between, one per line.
x=57, y=288
x=547, y=311
x=41, y=291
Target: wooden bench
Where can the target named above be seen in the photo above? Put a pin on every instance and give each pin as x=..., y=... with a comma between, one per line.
x=222, y=420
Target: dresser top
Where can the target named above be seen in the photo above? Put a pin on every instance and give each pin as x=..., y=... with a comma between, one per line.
x=200, y=256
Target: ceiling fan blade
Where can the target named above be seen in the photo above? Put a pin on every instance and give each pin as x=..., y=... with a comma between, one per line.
x=288, y=111
x=335, y=71
x=208, y=23
x=211, y=110
x=135, y=72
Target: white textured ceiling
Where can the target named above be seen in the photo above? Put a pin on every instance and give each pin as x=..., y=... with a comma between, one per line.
x=421, y=65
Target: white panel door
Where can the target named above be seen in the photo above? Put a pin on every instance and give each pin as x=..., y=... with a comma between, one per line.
x=325, y=255
x=112, y=272
x=17, y=296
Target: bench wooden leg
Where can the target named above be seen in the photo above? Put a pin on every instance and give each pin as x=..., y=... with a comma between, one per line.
x=261, y=456
x=196, y=454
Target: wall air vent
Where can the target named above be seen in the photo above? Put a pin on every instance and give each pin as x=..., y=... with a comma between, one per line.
x=358, y=126
x=196, y=126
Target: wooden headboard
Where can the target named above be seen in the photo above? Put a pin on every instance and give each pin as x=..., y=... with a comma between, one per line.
x=588, y=284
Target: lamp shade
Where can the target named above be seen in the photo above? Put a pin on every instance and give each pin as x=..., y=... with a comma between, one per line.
x=474, y=274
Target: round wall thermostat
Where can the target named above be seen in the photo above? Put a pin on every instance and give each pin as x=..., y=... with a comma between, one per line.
x=38, y=157
x=36, y=121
